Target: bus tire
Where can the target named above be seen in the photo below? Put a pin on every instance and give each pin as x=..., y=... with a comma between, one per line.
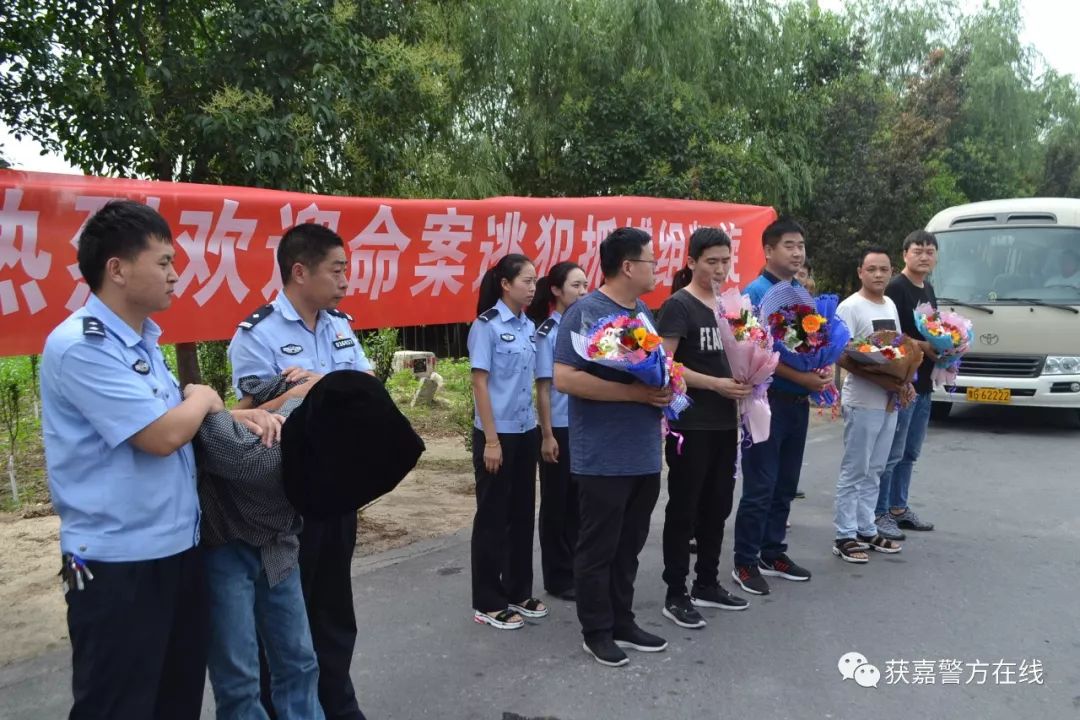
x=940, y=410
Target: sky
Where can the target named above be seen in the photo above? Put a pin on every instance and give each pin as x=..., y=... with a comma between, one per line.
x=1049, y=26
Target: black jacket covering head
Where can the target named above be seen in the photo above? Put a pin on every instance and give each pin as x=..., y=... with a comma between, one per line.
x=346, y=445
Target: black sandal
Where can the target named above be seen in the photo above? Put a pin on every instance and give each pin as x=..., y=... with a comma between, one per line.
x=531, y=608
x=877, y=543
x=503, y=620
x=850, y=551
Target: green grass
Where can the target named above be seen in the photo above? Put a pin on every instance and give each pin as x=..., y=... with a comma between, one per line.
x=20, y=429
x=452, y=415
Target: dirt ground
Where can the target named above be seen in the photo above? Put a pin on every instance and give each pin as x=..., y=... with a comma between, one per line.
x=435, y=499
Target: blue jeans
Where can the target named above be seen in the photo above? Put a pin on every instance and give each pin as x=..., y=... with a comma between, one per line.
x=770, y=479
x=868, y=438
x=244, y=607
x=911, y=424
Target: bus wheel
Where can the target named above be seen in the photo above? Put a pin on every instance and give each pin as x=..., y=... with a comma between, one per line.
x=940, y=410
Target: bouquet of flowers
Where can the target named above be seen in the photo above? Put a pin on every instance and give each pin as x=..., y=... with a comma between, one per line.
x=806, y=332
x=950, y=334
x=888, y=353
x=751, y=359
x=628, y=343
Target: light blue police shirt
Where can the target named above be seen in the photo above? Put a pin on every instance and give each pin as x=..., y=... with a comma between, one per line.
x=502, y=344
x=545, y=368
x=275, y=337
x=101, y=383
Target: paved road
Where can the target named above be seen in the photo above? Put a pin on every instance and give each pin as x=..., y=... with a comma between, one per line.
x=997, y=581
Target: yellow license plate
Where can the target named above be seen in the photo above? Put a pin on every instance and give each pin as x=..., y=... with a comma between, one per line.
x=989, y=395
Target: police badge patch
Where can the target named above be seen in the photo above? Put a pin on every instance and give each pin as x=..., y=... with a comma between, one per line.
x=141, y=366
x=292, y=349
x=507, y=337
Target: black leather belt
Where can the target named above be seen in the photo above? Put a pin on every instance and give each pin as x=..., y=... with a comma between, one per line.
x=786, y=397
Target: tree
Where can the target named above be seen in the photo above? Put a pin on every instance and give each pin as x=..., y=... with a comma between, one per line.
x=329, y=96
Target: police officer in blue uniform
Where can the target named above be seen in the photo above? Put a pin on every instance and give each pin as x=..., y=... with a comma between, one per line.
x=302, y=336
x=564, y=285
x=121, y=471
x=505, y=444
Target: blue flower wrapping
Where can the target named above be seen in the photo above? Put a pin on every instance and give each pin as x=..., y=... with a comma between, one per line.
x=651, y=371
x=784, y=295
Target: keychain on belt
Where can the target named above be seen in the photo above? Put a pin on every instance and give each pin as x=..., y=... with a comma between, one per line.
x=74, y=573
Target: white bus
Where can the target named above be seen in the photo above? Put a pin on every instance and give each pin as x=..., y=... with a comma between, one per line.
x=1013, y=267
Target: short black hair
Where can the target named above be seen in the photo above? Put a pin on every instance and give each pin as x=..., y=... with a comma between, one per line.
x=123, y=229
x=920, y=237
x=307, y=244
x=779, y=228
x=873, y=250
x=625, y=243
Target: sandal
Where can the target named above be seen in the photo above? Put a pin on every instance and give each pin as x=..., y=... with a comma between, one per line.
x=503, y=620
x=877, y=543
x=850, y=551
x=531, y=608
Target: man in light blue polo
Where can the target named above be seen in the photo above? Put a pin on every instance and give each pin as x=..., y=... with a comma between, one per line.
x=121, y=471
x=302, y=336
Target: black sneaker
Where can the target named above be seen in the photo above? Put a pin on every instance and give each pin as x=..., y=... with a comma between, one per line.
x=800, y=495
x=714, y=596
x=679, y=611
x=782, y=566
x=637, y=639
x=750, y=580
x=605, y=651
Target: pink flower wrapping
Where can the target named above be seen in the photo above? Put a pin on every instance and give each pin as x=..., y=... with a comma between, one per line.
x=752, y=362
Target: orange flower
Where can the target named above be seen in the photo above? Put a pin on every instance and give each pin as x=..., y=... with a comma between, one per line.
x=811, y=323
x=866, y=347
x=650, y=342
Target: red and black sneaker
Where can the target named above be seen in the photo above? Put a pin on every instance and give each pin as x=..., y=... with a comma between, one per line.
x=750, y=580
x=783, y=566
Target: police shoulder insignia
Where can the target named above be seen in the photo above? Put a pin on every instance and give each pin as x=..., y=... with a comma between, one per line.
x=489, y=314
x=340, y=313
x=546, y=327
x=141, y=366
x=257, y=317
x=292, y=349
x=93, y=326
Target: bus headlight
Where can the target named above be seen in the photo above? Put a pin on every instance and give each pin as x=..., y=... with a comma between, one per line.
x=1062, y=365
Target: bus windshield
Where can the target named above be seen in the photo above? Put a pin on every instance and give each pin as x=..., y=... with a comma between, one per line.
x=999, y=264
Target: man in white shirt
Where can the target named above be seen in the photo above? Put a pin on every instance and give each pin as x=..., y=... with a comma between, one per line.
x=1070, y=271
x=869, y=423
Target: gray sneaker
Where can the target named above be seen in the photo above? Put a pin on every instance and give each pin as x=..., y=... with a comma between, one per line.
x=910, y=521
x=887, y=527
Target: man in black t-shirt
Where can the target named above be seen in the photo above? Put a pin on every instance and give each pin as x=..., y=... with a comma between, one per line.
x=908, y=290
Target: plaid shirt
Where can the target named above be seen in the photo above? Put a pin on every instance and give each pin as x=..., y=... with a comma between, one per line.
x=242, y=494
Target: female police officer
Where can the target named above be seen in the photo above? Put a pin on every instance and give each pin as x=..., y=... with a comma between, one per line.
x=505, y=445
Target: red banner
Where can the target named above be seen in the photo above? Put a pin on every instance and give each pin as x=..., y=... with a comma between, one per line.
x=412, y=262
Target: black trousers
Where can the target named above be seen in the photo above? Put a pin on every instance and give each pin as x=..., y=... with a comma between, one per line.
x=614, y=526
x=558, y=518
x=502, y=533
x=701, y=485
x=139, y=637
x=326, y=552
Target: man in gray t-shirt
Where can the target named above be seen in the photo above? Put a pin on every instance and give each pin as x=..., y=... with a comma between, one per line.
x=615, y=454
